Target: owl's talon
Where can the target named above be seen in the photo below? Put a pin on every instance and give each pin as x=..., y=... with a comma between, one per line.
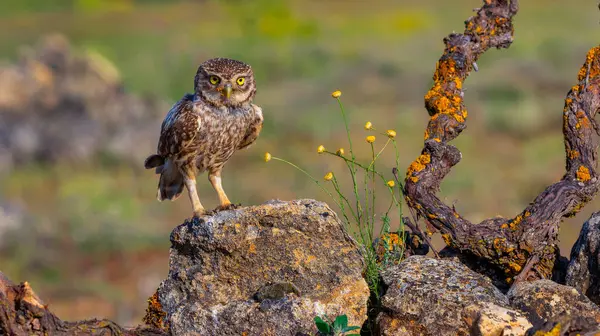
x=224, y=207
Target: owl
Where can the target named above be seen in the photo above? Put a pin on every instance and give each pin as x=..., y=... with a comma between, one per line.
x=204, y=129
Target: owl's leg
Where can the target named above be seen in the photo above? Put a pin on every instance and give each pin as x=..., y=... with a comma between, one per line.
x=215, y=179
x=190, y=184
x=214, y=176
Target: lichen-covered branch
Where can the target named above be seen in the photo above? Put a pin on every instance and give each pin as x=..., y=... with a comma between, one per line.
x=23, y=313
x=504, y=245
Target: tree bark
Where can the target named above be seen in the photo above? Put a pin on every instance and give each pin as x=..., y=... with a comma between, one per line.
x=502, y=247
x=23, y=313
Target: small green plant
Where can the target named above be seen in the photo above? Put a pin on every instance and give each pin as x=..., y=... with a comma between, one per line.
x=358, y=208
x=336, y=328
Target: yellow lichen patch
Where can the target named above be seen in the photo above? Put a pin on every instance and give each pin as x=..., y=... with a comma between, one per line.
x=426, y=134
x=155, y=316
x=447, y=239
x=301, y=258
x=573, y=154
x=432, y=216
x=442, y=104
x=437, y=140
x=589, y=62
x=458, y=83
x=418, y=165
x=583, y=174
x=513, y=223
x=555, y=331
x=499, y=243
x=516, y=268
x=252, y=248
x=504, y=226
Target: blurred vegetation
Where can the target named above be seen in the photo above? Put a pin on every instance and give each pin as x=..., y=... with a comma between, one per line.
x=94, y=239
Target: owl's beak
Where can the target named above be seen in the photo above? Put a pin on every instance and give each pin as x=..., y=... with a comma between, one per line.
x=227, y=90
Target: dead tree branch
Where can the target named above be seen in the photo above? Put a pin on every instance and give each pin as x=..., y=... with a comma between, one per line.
x=504, y=246
x=23, y=313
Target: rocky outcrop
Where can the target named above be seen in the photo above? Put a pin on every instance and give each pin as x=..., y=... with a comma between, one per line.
x=583, y=271
x=262, y=270
x=547, y=303
x=60, y=104
x=427, y=296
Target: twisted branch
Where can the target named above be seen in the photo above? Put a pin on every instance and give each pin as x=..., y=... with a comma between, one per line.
x=504, y=246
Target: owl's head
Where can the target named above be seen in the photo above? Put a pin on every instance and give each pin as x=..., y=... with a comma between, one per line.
x=225, y=82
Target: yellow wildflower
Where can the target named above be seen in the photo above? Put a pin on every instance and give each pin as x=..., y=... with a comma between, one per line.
x=340, y=152
x=370, y=139
x=267, y=157
x=336, y=94
x=391, y=134
x=368, y=125
x=391, y=183
x=320, y=149
x=328, y=176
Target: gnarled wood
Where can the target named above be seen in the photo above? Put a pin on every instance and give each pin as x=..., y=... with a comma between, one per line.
x=498, y=246
x=23, y=313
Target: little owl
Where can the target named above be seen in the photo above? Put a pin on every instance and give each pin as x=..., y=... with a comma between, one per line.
x=203, y=130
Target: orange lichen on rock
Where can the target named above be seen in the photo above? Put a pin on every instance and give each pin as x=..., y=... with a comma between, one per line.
x=418, y=165
x=155, y=316
x=516, y=268
x=583, y=174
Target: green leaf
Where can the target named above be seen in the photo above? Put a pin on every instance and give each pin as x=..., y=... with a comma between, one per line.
x=350, y=328
x=322, y=326
x=341, y=322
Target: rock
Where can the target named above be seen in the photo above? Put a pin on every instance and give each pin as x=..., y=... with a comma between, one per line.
x=427, y=296
x=544, y=301
x=262, y=270
x=566, y=326
x=492, y=320
x=59, y=104
x=583, y=271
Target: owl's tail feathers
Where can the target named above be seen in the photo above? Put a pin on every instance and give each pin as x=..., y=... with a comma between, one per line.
x=170, y=183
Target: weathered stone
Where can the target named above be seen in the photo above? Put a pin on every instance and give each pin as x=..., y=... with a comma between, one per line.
x=59, y=104
x=262, y=270
x=544, y=301
x=427, y=296
x=583, y=272
x=492, y=320
x=566, y=326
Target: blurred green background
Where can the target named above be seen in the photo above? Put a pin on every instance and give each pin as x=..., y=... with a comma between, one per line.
x=88, y=233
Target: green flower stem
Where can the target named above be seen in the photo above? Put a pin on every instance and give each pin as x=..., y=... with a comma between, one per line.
x=348, y=161
x=310, y=177
x=343, y=198
x=353, y=168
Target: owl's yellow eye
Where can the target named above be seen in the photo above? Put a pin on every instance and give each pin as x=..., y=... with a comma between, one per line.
x=241, y=81
x=214, y=80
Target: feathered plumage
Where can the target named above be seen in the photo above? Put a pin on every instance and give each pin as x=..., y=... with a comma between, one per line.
x=203, y=130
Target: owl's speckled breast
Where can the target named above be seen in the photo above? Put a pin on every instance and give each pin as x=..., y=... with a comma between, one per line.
x=221, y=130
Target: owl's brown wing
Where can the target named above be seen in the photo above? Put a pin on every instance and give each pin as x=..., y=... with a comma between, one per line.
x=179, y=129
x=253, y=129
